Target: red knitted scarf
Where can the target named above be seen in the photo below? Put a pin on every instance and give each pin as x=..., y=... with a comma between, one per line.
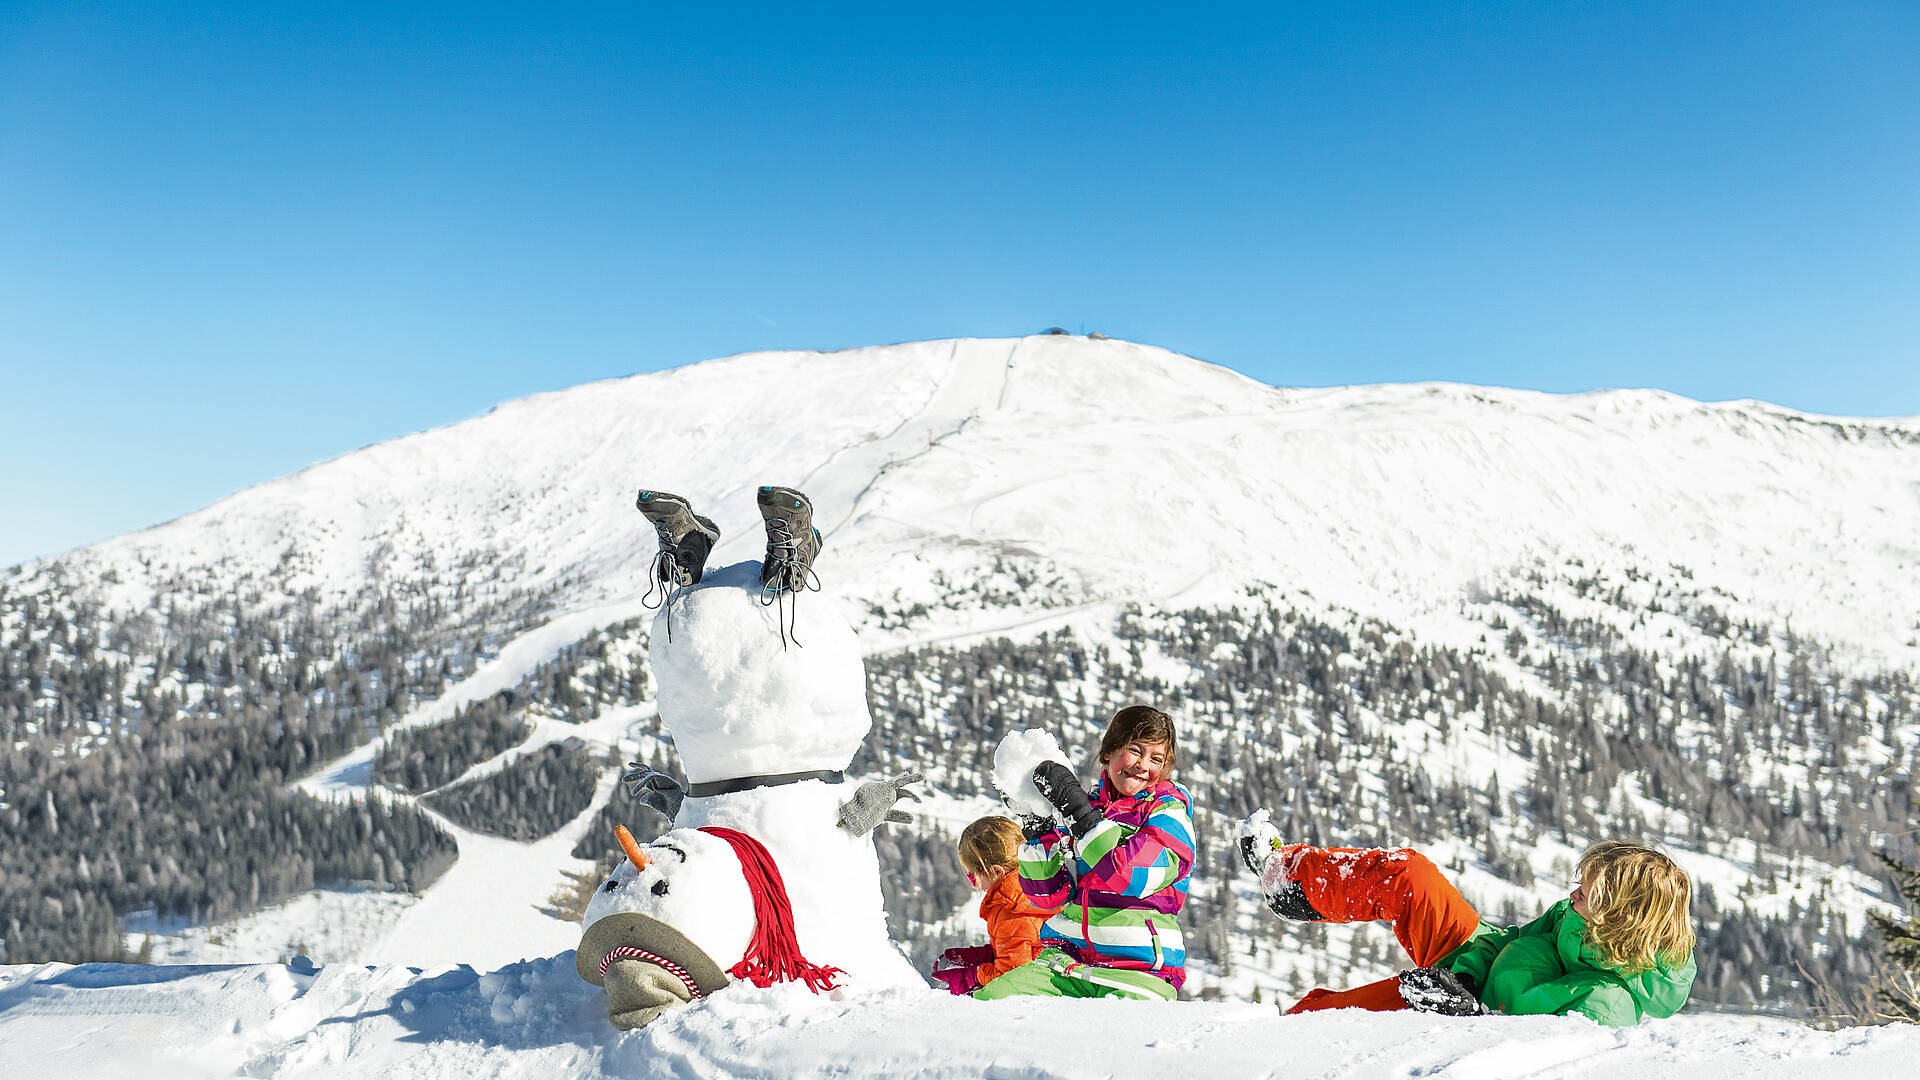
x=774, y=953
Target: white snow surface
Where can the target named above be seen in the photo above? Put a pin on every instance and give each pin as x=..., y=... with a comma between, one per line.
x=538, y=1020
x=1113, y=471
x=323, y=925
x=1014, y=760
x=745, y=695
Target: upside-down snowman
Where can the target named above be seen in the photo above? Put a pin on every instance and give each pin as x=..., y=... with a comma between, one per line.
x=769, y=874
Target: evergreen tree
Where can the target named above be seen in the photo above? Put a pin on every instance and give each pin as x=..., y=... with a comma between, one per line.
x=1897, y=992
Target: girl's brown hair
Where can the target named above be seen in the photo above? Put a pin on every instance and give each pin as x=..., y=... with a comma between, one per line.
x=1637, y=906
x=1139, y=723
x=990, y=841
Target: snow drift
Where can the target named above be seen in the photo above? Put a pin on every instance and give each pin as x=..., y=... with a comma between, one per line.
x=537, y=1020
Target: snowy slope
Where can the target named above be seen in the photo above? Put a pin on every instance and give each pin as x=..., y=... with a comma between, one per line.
x=1111, y=470
x=538, y=1019
x=1099, y=472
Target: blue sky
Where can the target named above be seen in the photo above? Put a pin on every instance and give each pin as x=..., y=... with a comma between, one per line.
x=236, y=240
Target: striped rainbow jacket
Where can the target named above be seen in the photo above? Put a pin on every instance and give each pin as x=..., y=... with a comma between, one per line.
x=1119, y=888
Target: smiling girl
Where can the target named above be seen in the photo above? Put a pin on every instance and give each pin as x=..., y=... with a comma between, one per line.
x=1117, y=874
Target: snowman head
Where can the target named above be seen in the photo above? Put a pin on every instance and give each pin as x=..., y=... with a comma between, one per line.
x=743, y=699
x=690, y=881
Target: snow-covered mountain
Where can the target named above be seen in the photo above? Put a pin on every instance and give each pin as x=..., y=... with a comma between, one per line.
x=1107, y=470
x=1494, y=623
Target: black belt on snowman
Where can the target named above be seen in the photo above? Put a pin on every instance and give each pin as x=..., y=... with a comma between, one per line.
x=748, y=783
x=664, y=793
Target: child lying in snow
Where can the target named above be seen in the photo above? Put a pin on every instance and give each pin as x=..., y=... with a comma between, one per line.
x=1117, y=875
x=1618, y=950
x=988, y=853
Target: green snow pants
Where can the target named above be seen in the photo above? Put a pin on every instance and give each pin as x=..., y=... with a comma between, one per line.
x=1055, y=974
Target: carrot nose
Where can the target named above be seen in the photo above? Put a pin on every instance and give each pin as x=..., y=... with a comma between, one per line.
x=628, y=845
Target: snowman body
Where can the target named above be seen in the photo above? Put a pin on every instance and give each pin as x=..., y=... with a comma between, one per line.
x=744, y=694
x=832, y=876
x=765, y=716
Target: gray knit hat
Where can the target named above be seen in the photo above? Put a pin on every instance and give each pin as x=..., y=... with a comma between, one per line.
x=630, y=935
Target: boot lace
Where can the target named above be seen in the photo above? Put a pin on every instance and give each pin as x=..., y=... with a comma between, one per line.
x=787, y=576
x=665, y=576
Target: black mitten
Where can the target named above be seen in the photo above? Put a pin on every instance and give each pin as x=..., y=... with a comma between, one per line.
x=1033, y=827
x=1290, y=902
x=1060, y=787
x=1437, y=990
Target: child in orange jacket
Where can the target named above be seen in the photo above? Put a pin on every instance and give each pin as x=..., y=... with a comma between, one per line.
x=988, y=853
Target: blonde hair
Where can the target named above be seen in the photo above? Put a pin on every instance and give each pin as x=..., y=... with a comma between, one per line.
x=990, y=841
x=1637, y=906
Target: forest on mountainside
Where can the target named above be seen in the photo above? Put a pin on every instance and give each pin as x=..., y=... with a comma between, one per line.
x=529, y=798
x=120, y=733
x=145, y=762
x=163, y=785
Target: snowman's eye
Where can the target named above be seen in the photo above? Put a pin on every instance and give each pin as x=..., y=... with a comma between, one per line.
x=610, y=885
x=660, y=887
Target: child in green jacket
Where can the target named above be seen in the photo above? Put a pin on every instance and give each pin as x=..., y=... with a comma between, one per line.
x=1618, y=950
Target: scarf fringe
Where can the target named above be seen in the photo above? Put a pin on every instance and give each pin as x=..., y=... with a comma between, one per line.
x=774, y=953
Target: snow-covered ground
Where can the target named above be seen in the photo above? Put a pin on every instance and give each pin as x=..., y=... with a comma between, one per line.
x=324, y=925
x=537, y=1019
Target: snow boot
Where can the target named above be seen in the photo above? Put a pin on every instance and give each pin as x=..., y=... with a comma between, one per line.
x=792, y=541
x=686, y=538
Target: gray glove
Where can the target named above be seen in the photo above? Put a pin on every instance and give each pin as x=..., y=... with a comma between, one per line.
x=654, y=788
x=872, y=804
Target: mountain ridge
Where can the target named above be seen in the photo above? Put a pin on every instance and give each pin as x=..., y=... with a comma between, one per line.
x=868, y=427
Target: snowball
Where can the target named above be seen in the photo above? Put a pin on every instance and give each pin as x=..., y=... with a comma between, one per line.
x=741, y=703
x=1265, y=843
x=1013, y=763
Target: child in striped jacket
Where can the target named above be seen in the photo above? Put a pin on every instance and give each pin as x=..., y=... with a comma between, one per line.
x=1117, y=874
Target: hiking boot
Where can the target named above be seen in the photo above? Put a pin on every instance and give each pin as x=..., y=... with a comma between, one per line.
x=686, y=538
x=792, y=541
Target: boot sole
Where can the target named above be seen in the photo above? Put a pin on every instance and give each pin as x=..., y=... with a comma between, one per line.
x=666, y=508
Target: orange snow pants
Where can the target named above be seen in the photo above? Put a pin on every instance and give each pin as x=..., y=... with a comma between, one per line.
x=1401, y=886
